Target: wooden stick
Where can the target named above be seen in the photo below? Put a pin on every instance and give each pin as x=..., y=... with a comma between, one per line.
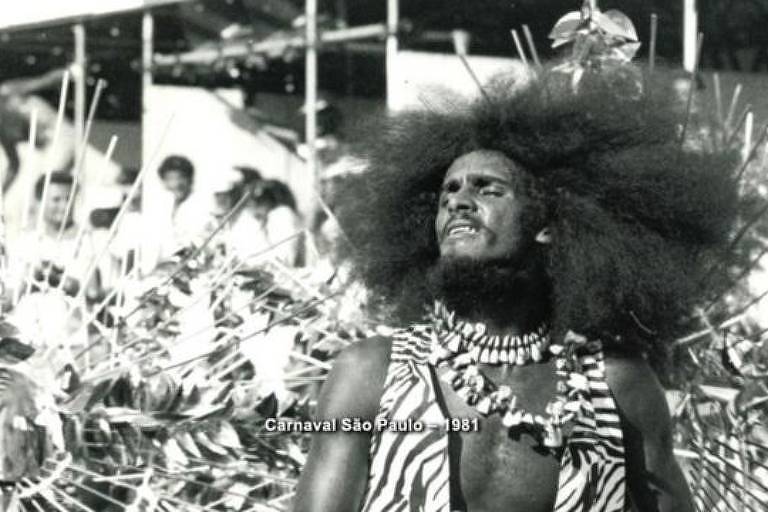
x=180, y=266
x=279, y=321
x=652, y=49
x=29, y=273
x=119, y=303
x=686, y=340
x=311, y=360
x=332, y=217
x=134, y=340
x=753, y=264
x=83, y=226
x=80, y=160
x=732, y=107
x=719, y=101
x=531, y=45
x=311, y=304
x=287, y=272
x=60, y=112
x=737, y=128
x=519, y=47
x=749, y=126
x=475, y=79
x=752, y=153
x=192, y=335
x=54, y=142
x=93, y=265
x=221, y=224
x=692, y=88
x=427, y=103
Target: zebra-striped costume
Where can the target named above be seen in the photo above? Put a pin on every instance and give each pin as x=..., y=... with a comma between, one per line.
x=410, y=471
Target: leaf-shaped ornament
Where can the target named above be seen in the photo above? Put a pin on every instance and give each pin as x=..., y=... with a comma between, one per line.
x=186, y=441
x=226, y=435
x=626, y=52
x=567, y=27
x=206, y=442
x=174, y=453
x=616, y=23
x=719, y=393
x=13, y=350
x=752, y=395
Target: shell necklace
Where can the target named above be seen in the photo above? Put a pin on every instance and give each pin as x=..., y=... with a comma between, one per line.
x=474, y=339
x=461, y=346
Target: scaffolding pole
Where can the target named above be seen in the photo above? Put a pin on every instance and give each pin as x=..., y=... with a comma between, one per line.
x=79, y=77
x=690, y=34
x=393, y=15
x=147, y=35
x=310, y=92
x=242, y=49
x=147, y=51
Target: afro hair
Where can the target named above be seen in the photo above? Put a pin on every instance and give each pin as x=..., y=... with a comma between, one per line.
x=635, y=214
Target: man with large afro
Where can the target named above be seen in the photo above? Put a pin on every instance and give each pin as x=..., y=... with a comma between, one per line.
x=565, y=231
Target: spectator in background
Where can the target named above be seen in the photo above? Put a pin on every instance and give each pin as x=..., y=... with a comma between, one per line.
x=177, y=174
x=129, y=235
x=187, y=218
x=243, y=235
x=51, y=266
x=274, y=206
x=249, y=177
x=60, y=250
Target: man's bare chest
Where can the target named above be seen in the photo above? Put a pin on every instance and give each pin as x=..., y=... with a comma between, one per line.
x=492, y=469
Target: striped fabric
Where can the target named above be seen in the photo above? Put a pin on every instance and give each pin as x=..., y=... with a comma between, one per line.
x=410, y=471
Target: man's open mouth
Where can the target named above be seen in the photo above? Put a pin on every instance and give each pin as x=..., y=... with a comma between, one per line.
x=460, y=228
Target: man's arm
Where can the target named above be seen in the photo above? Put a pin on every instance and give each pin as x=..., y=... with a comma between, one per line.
x=336, y=472
x=656, y=483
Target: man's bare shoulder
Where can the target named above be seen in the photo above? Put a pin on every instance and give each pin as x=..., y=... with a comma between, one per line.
x=356, y=382
x=369, y=355
x=654, y=478
x=638, y=392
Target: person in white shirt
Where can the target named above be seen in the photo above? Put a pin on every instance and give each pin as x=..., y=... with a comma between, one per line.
x=274, y=205
x=187, y=219
x=59, y=249
x=243, y=235
x=48, y=268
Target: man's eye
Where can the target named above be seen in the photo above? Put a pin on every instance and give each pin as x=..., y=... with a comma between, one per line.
x=450, y=187
x=492, y=191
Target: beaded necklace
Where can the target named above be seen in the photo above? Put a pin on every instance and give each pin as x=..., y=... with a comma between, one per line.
x=460, y=346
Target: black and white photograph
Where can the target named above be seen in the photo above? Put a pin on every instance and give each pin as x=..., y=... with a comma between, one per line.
x=384, y=255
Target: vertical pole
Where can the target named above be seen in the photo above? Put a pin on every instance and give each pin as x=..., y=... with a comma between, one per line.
x=749, y=126
x=310, y=93
x=3, y=266
x=147, y=52
x=342, y=15
x=690, y=34
x=393, y=15
x=80, y=83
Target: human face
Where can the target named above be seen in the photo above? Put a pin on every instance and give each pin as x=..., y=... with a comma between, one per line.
x=479, y=213
x=178, y=184
x=56, y=204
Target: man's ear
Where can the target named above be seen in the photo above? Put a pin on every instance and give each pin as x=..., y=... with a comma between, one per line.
x=544, y=236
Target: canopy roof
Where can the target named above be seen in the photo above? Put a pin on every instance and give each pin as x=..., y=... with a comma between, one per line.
x=49, y=12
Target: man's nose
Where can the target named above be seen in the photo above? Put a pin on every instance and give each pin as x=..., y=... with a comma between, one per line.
x=461, y=200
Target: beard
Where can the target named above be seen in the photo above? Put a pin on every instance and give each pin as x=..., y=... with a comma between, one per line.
x=468, y=285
